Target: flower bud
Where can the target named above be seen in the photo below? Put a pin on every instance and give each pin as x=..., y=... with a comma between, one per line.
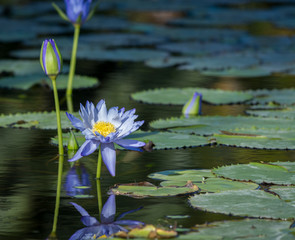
x=50, y=58
x=194, y=105
x=72, y=143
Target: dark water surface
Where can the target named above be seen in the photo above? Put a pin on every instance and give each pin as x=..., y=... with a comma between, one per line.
x=28, y=166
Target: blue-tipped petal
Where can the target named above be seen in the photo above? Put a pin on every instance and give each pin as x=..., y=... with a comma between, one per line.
x=76, y=122
x=81, y=210
x=125, y=213
x=89, y=148
x=128, y=222
x=89, y=221
x=78, y=154
x=78, y=234
x=108, y=211
x=108, y=154
x=125, y=143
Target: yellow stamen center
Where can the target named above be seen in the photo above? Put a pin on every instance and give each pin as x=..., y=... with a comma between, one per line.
x=103, y=128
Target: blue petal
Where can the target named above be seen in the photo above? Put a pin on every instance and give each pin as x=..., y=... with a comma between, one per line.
x=77, y=123
x=89, y=221
x=103, y=114
x=128, y=222
x=126, y=143
x=125, y=213
x=78, y=235
x=78, y=154
x=81, y=210
x=108, y=211
x=108, y=154
x=89, y=148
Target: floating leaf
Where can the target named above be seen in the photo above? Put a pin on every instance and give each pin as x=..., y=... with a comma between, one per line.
x=207, y=125
x=182, y=175
x=250, y=203
x=180, y=96
x=214, y=185
x=148, y=231
x=161, y=140
x=42, y=120
x=278, y=96
x=197, y=48
x=233, y=72
x=146, y=189
x=257, y=172
x=99, y=54
x=243, y=229
x=26, y=82
x=20, y=67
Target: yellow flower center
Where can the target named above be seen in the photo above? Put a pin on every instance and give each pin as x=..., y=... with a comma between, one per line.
x=103, y=128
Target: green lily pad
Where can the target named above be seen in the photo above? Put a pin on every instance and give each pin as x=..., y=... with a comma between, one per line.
x=20, y=67
x=182, y=175
x=251, y=229
x=259, y=139
x=26, y=82
x=250, y=203
x=286, y=193
x=258, y=173
x=214, y=185
x=161, y=140
x=233, y=72
x=146, y=189
x=42, y=120
x=278, y=96
x=207, y=125
x=180, y=96
x=95, y=53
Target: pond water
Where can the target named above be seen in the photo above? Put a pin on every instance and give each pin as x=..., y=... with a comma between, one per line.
x=29, y=163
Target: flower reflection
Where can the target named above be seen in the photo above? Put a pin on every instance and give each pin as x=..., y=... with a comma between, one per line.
x=77, y=182
x=107, y=226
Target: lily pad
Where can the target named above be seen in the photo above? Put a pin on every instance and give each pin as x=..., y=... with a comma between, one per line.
x=197, y=48
x=250, y=203
x=214, y=185
x=182, y=175
x=161, y=140
x=207, y=125
x=42, y=120
x=99, y=54
x=180, y=96
x=258, y=173
x=251, y=229
x=26, y=82
x=259, y=139
x=278, y=96
x=20, y=67
x=146, y=189
x=234, y=72
x=222, y=61
x=288, y=112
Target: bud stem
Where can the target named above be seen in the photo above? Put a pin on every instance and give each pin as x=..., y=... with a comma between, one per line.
x=99, y=200
x=99, y=160
x=72, y=68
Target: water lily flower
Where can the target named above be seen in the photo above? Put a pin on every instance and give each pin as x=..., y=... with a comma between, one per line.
x=107, y=225
x=50, y=58
x=193, y=106
x=76, y=184
x=102, y=128
x=77, y=10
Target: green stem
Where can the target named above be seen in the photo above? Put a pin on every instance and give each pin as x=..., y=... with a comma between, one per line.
x=99, y=200
x=58, y=190
x=57, y=110
x=99, y=160
x=72, y=68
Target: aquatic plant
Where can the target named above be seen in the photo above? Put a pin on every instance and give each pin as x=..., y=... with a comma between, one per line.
x=51, y=63
x=102, y=128
x=107, y=226
x=77, y=12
